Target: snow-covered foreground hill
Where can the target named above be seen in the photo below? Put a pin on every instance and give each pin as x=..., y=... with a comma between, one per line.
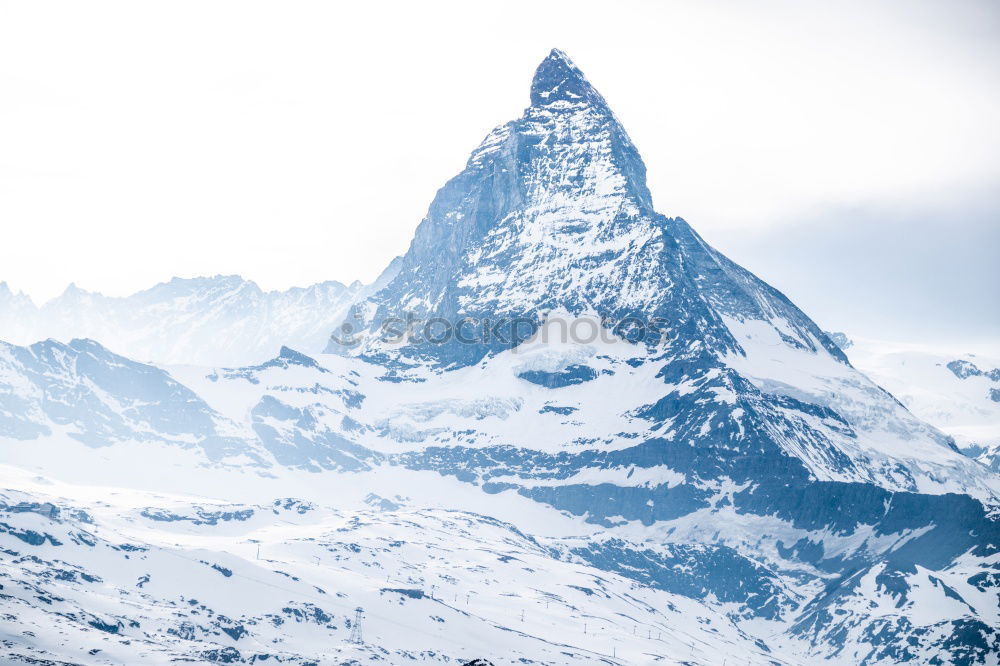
x=110, y=576
x=708, y=480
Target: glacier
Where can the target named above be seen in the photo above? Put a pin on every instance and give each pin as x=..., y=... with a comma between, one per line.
x=957, y=392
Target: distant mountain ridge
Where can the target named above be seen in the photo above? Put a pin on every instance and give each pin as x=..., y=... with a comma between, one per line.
x=222, y=320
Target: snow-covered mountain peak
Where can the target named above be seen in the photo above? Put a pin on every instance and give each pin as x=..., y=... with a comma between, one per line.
x=552, y=212
x=558, y=79
x=566, y=110
x=73, y=293
x=10, y=299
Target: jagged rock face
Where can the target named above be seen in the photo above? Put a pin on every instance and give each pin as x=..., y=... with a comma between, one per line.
x=552, y=213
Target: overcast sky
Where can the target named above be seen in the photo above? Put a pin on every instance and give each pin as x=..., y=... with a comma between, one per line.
x=847, y=152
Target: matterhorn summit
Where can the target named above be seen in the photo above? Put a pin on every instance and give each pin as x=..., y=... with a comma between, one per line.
x=552, y=212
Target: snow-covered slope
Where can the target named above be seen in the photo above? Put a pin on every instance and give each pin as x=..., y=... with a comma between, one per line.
x=151, y=576
x=221, y=320
x=83, y=392
x=147, y=578
x=787, y=560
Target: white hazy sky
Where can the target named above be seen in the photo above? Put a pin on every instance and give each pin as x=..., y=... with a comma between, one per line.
x=848, y=152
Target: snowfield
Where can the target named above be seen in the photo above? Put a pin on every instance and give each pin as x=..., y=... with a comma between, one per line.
x=958, y=393
x=138, y=577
